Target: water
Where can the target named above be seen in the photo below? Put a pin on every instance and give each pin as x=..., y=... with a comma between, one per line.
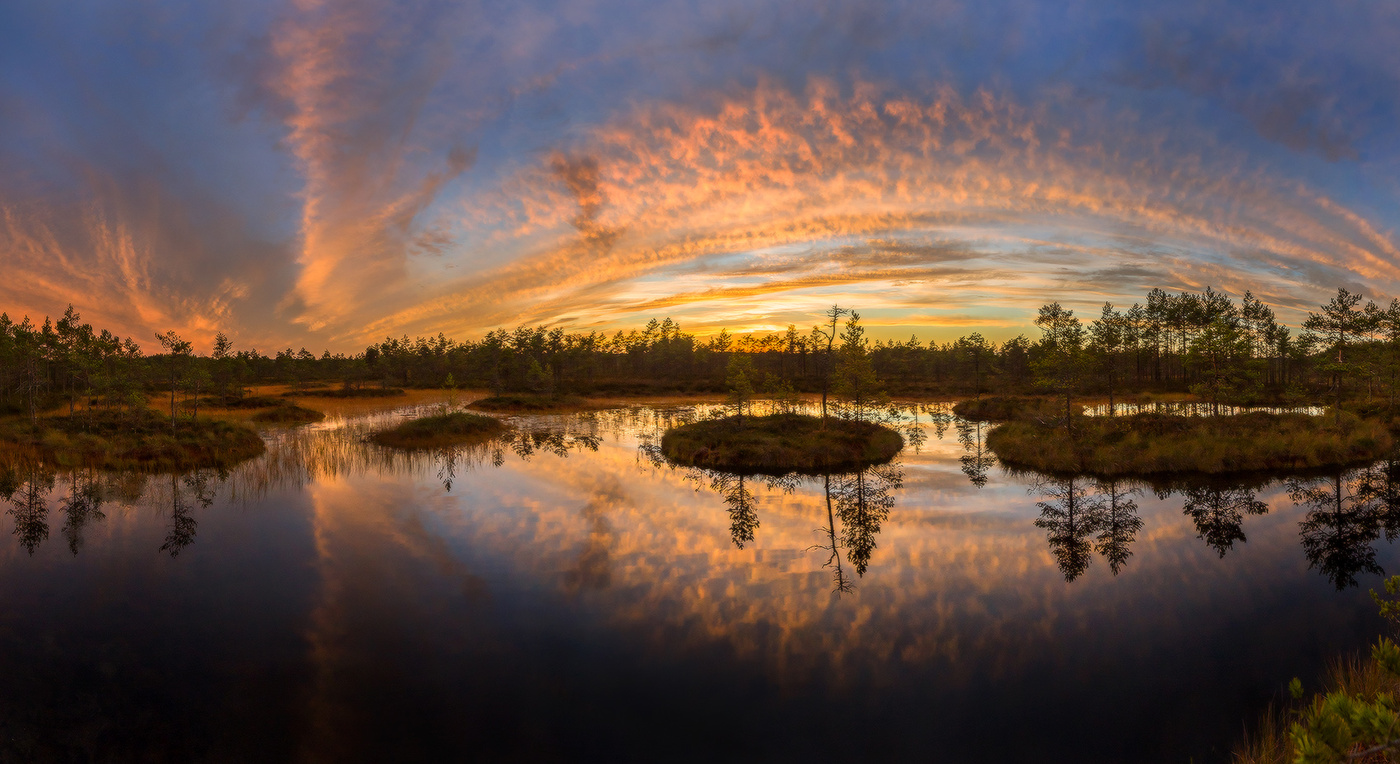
x=562, y=596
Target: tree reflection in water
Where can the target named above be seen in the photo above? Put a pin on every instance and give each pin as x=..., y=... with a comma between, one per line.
x=977, y=459
x=1218, y=513
x=857, y=503
x=743, y=514
x=863, y=501
x=293, y=458
x=82, y=505
x=1069, y=517
x=1339, y=527
x=1120, y=523
x=28, y=494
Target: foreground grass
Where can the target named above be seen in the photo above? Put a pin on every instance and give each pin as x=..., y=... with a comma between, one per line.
x=781, y=443
x=440, y=431
x=527, y=403
x=288, y=413
x=1154, y=444
x=140, y=440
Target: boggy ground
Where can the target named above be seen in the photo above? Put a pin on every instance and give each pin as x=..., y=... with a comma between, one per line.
x=1156, y=444
x=440, y=431
x=140, y=439
x=780, y=443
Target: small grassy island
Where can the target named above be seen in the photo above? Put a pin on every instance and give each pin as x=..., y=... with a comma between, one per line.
x=440, y=431
x=1155, y=444
x=140, y=439
x=1009, y=408
x=529, y=403
x=781, y=443
x=288, y=413
x=346, y=392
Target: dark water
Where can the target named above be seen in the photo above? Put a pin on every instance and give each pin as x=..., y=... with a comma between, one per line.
x=560, y=596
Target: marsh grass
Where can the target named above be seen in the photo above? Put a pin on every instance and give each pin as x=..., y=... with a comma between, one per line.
x=1152, y=444
x=440, y=431
x=140, y=440
x=781, y=443
x=288, y=413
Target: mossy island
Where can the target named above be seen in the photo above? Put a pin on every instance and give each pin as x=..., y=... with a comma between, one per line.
x=441, y=431
x=530, y=403
x=288, y=413
x=1156, y=444
x=779, y=444
x=1010, y=407
x=140, y=439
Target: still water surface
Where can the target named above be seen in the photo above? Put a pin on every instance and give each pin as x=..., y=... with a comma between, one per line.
x=563, y=595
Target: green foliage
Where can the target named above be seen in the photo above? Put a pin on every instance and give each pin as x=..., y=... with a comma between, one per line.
x=1343, y=727
x=1389, y=608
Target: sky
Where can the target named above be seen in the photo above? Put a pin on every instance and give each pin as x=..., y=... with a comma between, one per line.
x=326, y=173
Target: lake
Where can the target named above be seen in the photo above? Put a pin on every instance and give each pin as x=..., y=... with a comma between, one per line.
x=562, y=594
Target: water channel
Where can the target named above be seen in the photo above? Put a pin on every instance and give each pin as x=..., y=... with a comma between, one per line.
x=564, y=594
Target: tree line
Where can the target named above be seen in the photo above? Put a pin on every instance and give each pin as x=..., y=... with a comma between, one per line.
x=1204, y=343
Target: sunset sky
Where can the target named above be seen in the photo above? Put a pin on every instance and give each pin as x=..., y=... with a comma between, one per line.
x=323, y=174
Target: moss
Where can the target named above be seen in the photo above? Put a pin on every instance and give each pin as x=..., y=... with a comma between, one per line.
x=1009, y=408
x=1156, y=444
x=440, y=431
x=288, y=413
x=780, y=444
x=140, y=440
x=528, y=403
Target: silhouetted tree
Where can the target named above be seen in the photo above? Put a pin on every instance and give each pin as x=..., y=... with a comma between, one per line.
x=1338, y=529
